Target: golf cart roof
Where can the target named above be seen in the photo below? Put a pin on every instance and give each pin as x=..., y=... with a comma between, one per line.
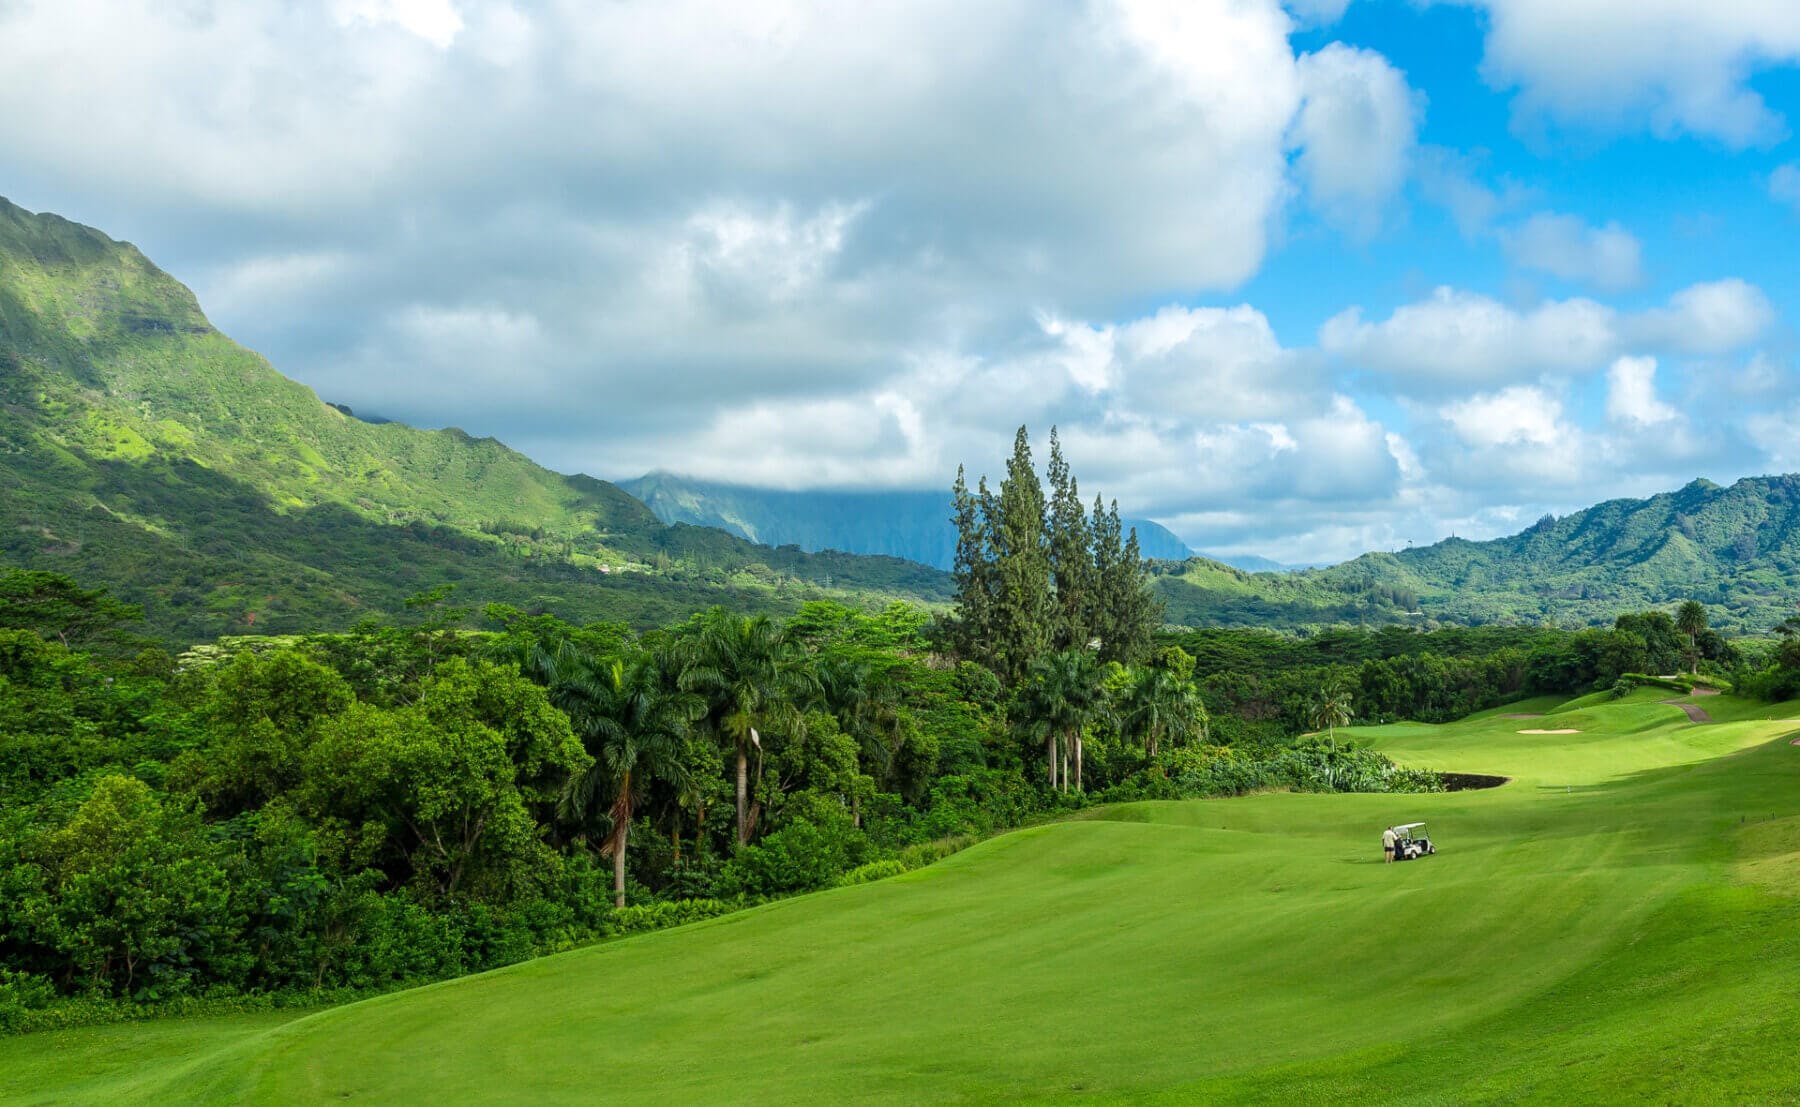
x=1409, y=826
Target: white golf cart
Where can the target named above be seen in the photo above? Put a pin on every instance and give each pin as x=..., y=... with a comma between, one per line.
x=1412, y=843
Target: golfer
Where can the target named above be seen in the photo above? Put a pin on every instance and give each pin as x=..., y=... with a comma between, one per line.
x=1387, y=845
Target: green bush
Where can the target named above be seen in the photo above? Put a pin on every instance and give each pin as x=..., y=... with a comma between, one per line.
x=661, y=916
x=20, y=994
x=797, y=858
x=924, y=853
x=871, y=872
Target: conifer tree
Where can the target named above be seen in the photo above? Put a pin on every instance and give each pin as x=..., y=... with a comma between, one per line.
x=971, y=633
x=1071, y=556
x=1021, y=607
x=1126, y=612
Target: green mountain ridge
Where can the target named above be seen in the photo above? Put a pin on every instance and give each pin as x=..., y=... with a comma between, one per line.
x=1736, y=550
x=142, y=449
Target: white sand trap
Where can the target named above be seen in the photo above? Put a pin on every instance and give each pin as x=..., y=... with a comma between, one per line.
x=1549, y=732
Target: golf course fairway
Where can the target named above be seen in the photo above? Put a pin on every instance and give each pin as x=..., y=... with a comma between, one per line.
x=1619, y=922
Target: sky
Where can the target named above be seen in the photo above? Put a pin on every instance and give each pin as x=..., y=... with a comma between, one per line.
x=1295, y=279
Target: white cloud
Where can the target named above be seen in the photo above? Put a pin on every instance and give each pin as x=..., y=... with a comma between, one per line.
x=1464, y=338
x=435, y=21
x=1714, y=317
x=1667, y=66
x=1773, y=433
x=1517, y=416
x=1631, y=394
x=1356, y=130
x=1564, y=246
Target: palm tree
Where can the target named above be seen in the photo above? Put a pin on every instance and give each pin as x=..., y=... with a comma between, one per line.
x=1162, y=705
x=633, y=723
x=1690, y=619
x=752, y=673
x=1331, y=710
x=1066, y=693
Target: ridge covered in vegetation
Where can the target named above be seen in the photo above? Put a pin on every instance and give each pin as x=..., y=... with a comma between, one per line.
x=1736, y=550
x=141, y=448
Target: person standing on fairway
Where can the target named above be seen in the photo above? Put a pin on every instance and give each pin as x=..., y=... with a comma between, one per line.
x=1387, y=845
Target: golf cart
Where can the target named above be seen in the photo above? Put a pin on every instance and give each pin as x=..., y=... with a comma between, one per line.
x=1412, y=843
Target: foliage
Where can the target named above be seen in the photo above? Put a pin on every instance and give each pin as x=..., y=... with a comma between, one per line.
x=1036, y=576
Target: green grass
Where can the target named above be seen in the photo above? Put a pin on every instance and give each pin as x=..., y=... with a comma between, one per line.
x=1618, y=923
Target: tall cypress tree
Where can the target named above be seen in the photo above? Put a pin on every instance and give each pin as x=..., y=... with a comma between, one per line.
x=1070, y=548
x=1140, y=610
x=972, y=631
x=1127, y=612
x=1022, y=608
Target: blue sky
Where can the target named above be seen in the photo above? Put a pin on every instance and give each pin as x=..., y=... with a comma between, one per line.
x=1297, y=278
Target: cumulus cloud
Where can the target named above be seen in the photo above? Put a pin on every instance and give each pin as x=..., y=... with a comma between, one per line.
x=1714, y=317
x=1458, y=337
x=1631, y=394
x=1564, y=246
x=696, y=202
x=1463, y=338
x=1669, y=66
x=1356, y=130
x=1515, y=416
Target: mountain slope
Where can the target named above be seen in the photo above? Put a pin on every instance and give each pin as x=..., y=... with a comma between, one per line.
x=913, y=525
x=142, y=449
x=1735, y=549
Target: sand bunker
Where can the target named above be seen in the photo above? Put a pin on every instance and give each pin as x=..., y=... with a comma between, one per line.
x=1549, y=732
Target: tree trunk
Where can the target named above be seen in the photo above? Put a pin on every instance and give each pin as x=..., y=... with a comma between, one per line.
x=1065, y=769
x=743, y=794
x=619, y=838
x=1050, y=758
x=1078, y=762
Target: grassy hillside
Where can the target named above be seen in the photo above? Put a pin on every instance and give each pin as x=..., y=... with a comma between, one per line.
x=1614, y=924
x=141, y=448
x=913, y=525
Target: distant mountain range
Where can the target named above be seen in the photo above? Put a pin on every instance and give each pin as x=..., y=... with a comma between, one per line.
x=143, y=450
x=913, y=525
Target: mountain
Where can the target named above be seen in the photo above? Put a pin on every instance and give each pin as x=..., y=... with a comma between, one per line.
x=142, y=449
x=1736, y=550
x=912, y=525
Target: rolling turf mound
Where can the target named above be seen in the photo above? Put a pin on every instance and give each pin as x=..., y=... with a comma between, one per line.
x=1619, y=922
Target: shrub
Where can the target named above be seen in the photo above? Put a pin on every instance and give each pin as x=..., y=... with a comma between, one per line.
x=21, y=993
x=871, y=872
x=797, y=858
x=661, y=916
x=924, y=853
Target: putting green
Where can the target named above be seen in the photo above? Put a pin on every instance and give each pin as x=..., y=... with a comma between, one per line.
x=1619, y=921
